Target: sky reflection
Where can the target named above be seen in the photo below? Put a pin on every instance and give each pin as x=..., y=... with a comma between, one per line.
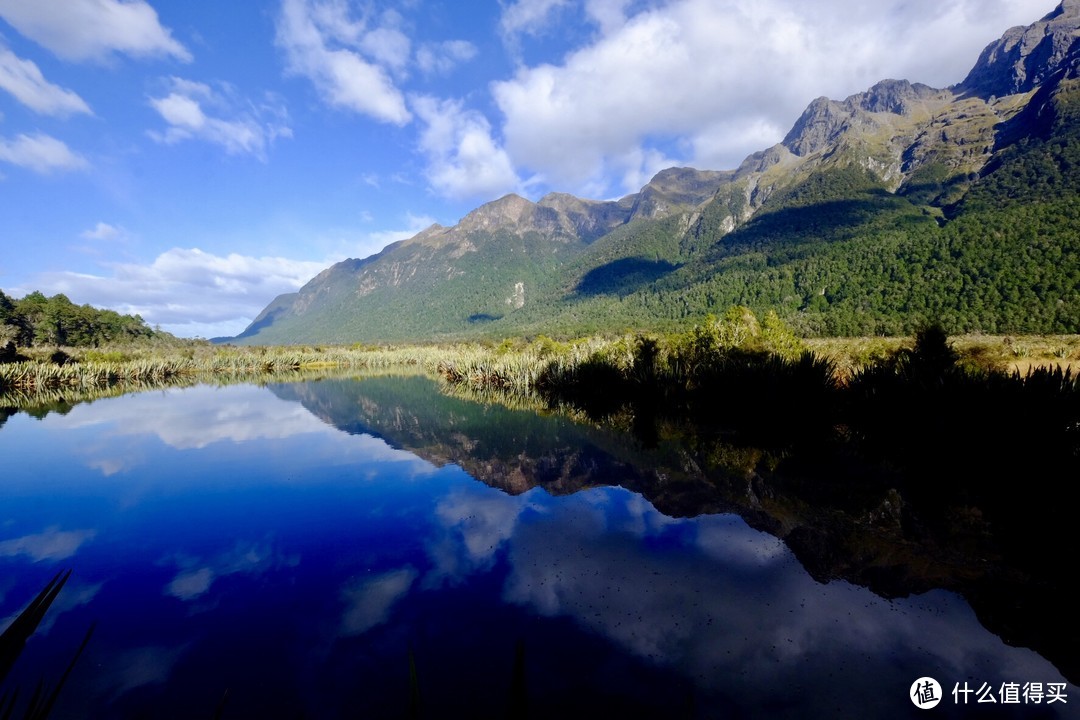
x=242, y=543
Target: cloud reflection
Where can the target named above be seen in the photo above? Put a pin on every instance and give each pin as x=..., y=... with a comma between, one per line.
x=473, y=523
x=138, y=667
x=369, y=602
x=52, y=544
x=196, y=576
x=723, y=604
x=197, y=417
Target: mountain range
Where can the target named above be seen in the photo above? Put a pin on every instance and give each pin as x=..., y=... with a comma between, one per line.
x=876, y=214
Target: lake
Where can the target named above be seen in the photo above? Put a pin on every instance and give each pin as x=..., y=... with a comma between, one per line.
x=371, y=547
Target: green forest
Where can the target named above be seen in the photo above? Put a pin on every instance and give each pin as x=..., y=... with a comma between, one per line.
x=39, y=320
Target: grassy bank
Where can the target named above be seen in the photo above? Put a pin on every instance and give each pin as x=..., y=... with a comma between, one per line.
x=515, y=365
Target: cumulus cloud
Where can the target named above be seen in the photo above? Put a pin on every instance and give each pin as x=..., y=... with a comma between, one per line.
x=240, y=127
x=24, y=80
x=187, y=290
x=344, y=58
x=41, y=153
x=706, y=82
x=464, y=159
x=93, y=29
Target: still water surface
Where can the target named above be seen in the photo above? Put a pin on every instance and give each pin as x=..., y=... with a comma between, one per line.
x=319, y=550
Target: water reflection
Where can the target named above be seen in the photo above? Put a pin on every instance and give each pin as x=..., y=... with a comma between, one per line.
x=242, y=543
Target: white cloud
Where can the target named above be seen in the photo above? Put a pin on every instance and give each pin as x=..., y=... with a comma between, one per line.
x=388, y=46
x=464, y=160
x=93, y=29
x=706, y=82
x=23, y=79
x=324, y=44
x=187, y=290
x=191, y=292
x=441, y=58
x=41, y=153
x=242, y=127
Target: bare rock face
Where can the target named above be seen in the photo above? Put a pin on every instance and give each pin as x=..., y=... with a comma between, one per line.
x=825, y=121
x=512, y=211
x=1025, y=57
x=676, y=188
x=589, y=219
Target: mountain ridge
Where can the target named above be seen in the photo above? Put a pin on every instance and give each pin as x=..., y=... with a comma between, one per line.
x=567, y=264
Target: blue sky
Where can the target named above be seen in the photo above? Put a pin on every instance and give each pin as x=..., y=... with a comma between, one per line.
x=189, y=161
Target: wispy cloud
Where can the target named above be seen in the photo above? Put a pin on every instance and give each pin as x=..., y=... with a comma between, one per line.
x=413, y=225
x=529, y=16
x=103, y=231
x=24, y=80
x=441, y=58
x=344, y=58
x=41, y=153
x=93, y=29
x=239, y=127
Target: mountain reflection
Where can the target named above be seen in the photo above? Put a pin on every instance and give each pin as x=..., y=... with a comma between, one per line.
x=310, y=549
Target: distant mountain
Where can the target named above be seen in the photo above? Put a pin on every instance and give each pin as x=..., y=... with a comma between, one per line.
x=877, y=213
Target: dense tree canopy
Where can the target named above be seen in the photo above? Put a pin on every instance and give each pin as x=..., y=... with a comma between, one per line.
x=40, y=320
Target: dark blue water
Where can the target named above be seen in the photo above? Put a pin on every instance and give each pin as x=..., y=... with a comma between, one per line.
x=242, y=556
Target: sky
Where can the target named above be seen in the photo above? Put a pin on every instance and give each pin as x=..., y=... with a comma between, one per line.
x=189, y=161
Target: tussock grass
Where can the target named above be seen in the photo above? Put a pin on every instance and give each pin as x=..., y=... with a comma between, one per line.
x=517, y=366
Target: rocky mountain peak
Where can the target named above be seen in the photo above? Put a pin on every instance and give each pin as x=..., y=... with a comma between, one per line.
x=825, y=120
x=508, y=209
x=892, y=96
x=1025, y=57
x=817, y=127
x=676, y=188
